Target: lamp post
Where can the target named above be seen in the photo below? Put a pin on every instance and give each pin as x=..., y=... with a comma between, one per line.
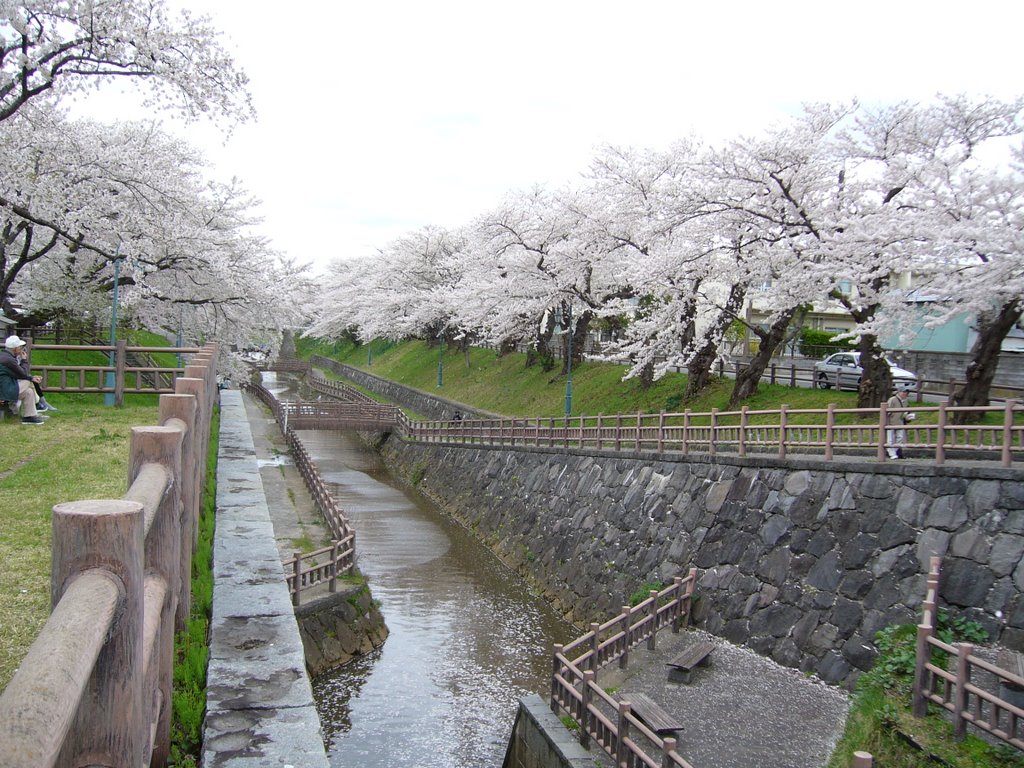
x=108, y=398
x=440, y=360
x=568, y=363
x=369, y=353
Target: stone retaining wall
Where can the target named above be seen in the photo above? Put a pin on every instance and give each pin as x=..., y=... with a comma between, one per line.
x=429, y=405
x=337, y=628
x=801, y=560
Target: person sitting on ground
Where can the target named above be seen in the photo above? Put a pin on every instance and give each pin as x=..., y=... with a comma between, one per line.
x=15, y=383
x=37, y=382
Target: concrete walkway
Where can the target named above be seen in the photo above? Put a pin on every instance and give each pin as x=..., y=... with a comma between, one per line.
x=260, y=709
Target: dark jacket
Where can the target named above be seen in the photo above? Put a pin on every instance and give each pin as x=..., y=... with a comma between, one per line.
x=10, y=372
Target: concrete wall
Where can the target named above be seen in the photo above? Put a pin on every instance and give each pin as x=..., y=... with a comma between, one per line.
x=539, y=740
x=801, y=560
x=431, y=406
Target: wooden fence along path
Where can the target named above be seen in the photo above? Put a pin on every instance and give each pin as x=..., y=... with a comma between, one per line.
x=611, y=723
x=118, y=379
x=955, y=687
x=95, y=687
x=819, y=432
x=304, y=571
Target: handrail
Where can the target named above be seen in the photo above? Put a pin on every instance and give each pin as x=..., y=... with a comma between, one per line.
x=954, y=690
x=97, y=680
x=343, y=545
x=776, y=432
x=127, y=379
x=574, y=688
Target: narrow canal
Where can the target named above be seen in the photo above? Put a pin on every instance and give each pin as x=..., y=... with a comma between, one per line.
x=468, y=638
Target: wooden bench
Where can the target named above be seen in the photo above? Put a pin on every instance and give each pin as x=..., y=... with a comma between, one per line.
x=681, y=667
x=648, y=710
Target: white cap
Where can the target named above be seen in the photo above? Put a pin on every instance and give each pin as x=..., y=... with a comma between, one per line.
x=13, y=342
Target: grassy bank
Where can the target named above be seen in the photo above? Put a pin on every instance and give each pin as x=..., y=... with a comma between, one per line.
x=505, y=385
x=80, y=453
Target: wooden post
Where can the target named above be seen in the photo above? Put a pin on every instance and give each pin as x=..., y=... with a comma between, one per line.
x=595, y=642
x=160, y=447
x=883, y=433
x=677, y=583
x=599, y=431
x=618, y=432
x=120, y=364
x=668, y=747
x=1008, y=433
x=585, y=717
x=652, y=641
x=963, y=679
x=106, y=535
x=627, y=619
x=714, y=431
x=661, y=431
x=639, y=431
x=555, y=670
x=621, y=750
x=686, y=431
x=181, y=410
x=334, y=566
x=297, y=576
x=690, y=587
x=862, y=760
x=940, y=434
x=744, y=418
x=783, y=425
x=830, y=430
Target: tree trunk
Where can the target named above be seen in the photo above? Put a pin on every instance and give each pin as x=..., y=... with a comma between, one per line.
x=579, y=337
x=875, y=378
x=542, y=350
x=698, y=370
x=647, y=375
x=981, y=371
x=770, y=340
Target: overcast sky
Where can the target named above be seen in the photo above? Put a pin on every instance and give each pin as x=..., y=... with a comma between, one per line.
x=377, y=118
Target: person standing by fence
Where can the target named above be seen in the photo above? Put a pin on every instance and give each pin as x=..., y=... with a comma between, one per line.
x=897, y=417
x=16, y=384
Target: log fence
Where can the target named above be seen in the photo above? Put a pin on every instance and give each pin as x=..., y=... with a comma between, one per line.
x=609, y=722
x=95, y=686
x=955, y=687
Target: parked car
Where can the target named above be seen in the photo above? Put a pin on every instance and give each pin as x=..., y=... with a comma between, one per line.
x=843, y=368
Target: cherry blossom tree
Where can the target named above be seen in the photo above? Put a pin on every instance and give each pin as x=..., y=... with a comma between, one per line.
x=56, y=48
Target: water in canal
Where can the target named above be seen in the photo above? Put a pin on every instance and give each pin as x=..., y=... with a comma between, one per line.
x=467, y=640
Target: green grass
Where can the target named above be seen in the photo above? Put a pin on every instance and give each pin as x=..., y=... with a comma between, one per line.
x=80, y=453
x=505, y=385
x=881, y=722
x=191, y=650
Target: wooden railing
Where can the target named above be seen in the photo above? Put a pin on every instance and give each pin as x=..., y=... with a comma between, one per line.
x=329, y=414
x=342, y=550
x=336, y=389
x=118, y=379
x=821, y=432
x=610, y=722
x=956, y=689
x=305, y=571
x=95, y=687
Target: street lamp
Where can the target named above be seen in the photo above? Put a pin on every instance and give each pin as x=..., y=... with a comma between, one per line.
x=440, y=360
x=568, y=362
x=108, y=398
